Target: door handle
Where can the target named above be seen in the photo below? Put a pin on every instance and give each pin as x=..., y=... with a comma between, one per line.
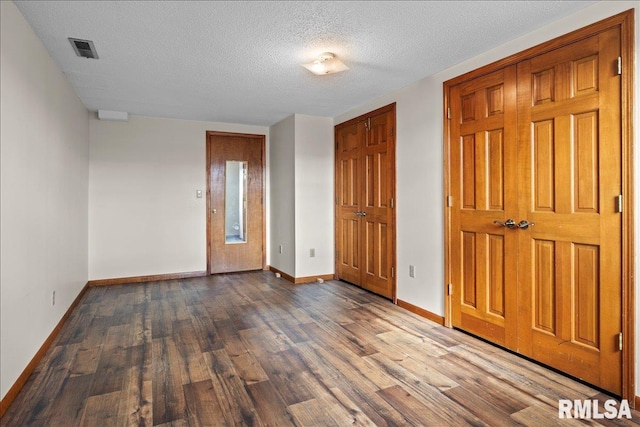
x=361, y=213
x=524, y=224
x=509, y=223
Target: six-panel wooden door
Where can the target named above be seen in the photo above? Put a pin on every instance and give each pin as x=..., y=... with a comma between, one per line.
x=536, y=237
x=569, y=268
x=483, y=175
x=365, y=214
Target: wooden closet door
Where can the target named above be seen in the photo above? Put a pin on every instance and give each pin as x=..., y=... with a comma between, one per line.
x=540, y=143
x=365, y=197
x=349, y=182
x=570, y=261
x=377, y=204
x=483, y=189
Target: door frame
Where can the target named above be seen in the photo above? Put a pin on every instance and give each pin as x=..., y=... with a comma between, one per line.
x=261, y=139
x=625, y=21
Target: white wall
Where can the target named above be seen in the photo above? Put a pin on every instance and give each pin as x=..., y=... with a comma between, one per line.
x=282, y=173
x=419, y=187
x=44, y=151
x=420, y=162
x=144, y=217
x=302, y=195
x=314, y=188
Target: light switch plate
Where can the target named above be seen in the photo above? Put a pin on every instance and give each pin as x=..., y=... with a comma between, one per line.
x=199, y=194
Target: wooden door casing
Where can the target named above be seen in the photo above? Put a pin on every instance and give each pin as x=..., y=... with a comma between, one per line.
x=365, y=192
x=222, y=257
x=574, y=270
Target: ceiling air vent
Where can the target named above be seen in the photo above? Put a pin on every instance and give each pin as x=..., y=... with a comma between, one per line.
x=84, y=48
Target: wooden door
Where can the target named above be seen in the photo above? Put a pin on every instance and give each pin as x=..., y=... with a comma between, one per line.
x=365, y=192
x=539, y=143
x=235, y=202
x=349, y=180
x=377, y=202
x=570, y=268
x=483, y=156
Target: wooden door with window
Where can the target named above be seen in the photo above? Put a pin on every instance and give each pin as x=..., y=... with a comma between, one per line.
x=235, y=226
x=365, y=192
x=536, y=236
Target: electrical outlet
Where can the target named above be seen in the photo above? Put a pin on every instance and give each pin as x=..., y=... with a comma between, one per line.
x=412, y=271
x=280, y=249
x=53, y=298
x=312, y=252
x=199, y=194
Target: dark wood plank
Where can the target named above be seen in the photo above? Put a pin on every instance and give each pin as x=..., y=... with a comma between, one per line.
x=416, y=412
x=136, y=396
x=67, y=407
x=203, y=408
x=339, y=370
x=485, y=410
x=168, y=396
x=35, y=400
x=113, y=367
x=420, y=389
x=205, y=329
x=85, y=361
x=235, y=403
x=288, y=373
x=99, y=410
x=269, y=404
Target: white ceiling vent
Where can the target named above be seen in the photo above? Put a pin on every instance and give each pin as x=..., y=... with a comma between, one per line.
x=84, y=48
x=118, y=116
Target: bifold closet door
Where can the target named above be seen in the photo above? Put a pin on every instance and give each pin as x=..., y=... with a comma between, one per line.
x=365, y=197
x=536, y=233
x=570, y=262
x=484, y=185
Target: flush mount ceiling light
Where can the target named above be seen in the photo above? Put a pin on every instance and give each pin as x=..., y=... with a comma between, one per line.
x=327, y=63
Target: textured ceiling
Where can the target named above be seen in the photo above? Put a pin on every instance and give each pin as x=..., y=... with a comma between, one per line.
x=239, y=62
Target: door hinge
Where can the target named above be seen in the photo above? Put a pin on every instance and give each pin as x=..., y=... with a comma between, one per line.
x=620, y=341
x=449, y=289
x=619, y=65
x=367, y=123
x=393, y=272
x=392, y=130
x=449, y=201
x=392, y=203
x=618, y=202
x=337, y=254
x=336, y=200
x=448, y=112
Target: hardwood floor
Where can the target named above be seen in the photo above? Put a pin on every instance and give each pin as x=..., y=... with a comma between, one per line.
x=250, y=349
